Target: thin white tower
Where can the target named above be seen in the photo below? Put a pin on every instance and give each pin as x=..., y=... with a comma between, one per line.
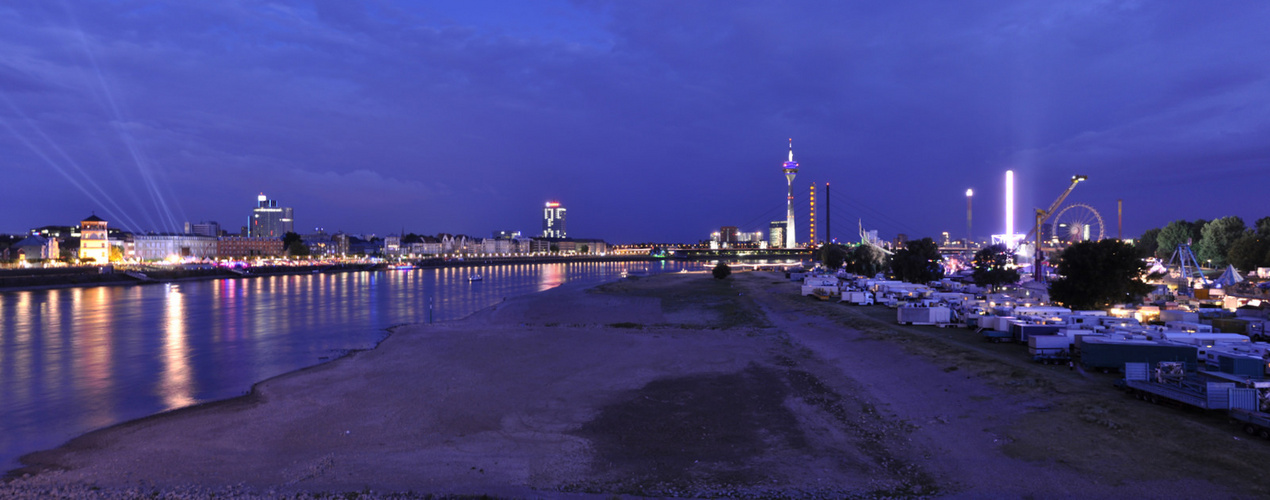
x=791, y=169
x=1009, y=209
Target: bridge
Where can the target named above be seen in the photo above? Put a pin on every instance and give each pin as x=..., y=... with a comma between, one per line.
x=703, y=252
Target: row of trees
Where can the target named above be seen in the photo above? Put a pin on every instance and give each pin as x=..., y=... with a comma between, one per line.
x=1222, y=241
x=918, y=262
x=1092, y=274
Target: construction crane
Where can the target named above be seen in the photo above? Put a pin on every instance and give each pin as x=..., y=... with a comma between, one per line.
x=1041, y=217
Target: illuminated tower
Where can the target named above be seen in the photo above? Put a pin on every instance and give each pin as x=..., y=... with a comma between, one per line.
x=811, y=223
x=93, y=243
x=791, y=169
x=1009, y=210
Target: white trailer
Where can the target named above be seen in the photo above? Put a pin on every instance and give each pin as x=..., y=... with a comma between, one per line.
x=922, y=315
x=857, y=297
x=1050, y=348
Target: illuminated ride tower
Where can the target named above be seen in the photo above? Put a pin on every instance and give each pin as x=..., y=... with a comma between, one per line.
x=791, y=169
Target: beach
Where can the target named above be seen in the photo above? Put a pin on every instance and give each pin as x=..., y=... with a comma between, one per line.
x=672, y=385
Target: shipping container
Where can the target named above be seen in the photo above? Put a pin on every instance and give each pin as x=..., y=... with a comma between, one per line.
x=1110, y=355
x=1022, y=331
x=1244, y=366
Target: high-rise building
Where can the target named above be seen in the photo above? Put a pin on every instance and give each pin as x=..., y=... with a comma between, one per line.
x=553, y=221
x=93, y=244
x=268, y=220
x=776, y=234
x=790, y=168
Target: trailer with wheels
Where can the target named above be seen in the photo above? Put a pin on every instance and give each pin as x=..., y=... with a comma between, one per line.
x=1168, y=382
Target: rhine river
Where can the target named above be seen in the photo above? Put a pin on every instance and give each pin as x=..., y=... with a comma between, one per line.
x=78, y=359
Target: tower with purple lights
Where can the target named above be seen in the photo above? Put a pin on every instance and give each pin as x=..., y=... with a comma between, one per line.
x=791, y=169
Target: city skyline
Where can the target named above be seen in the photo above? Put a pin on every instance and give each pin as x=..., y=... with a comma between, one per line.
x=461, y=117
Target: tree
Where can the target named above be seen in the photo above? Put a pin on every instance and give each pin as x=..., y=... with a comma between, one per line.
x=721, y=271
x=1149, y=242
x=1176, y=233
x=918, y=262
x=1218, y=235
x=1097, y=274
x=992, y=267
x=865, y=260
x=297, y=248
x=289, y=238
x=1249, y=252
x=833, y=255
x=1262, y=227
x=116, y=254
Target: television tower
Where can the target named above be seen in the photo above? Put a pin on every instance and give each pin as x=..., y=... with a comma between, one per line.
x=791, y=169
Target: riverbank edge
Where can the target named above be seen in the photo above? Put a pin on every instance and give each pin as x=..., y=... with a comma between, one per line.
x=53, y=284
x=30, y=465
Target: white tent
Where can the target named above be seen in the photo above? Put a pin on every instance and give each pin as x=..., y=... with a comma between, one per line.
x=1229, y=277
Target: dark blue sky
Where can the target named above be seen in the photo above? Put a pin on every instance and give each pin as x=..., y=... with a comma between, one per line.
x=648, y=120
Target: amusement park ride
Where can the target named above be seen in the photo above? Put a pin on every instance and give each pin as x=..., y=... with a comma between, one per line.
x=1077, y=220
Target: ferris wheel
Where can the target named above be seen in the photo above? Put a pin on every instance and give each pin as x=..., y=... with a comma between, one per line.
x=1078, y=222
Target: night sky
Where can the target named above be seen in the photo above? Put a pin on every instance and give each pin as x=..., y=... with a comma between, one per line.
x=648, y=120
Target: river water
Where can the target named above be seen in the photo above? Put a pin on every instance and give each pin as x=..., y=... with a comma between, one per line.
x=73, y=360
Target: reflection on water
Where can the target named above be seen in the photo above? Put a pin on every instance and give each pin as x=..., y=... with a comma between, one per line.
x=78, y=359
x=176, y=389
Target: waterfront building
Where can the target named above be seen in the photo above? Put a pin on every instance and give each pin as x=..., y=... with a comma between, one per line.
x=35, y=248
x=237, y=247
x=269, y=220
x=94, y=245
x=152, y=247
x=553, y=221
x=427, y=245
x=203, y=228
x=790, y=168
x=320, y=243
x=728, y=235
x=754, y=237
x=776, y=234
x=591, y=246
x=392, y=245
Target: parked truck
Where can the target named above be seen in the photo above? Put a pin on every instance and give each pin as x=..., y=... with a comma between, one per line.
x=857, y=297
x=1168, y=381
x=923, y=315
x=1049, y=348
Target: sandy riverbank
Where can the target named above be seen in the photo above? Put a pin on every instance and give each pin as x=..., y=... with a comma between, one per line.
x=676, y=385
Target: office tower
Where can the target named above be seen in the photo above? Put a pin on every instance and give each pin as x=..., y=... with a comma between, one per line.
x=553, y=221
x=268, y=220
